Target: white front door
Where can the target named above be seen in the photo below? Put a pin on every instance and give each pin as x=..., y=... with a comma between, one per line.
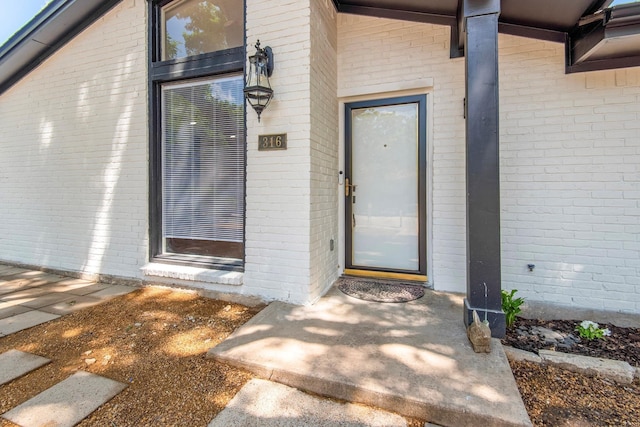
x=385, y=185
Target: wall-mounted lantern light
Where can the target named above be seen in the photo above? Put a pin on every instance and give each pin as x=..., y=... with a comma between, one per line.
x=257, y=89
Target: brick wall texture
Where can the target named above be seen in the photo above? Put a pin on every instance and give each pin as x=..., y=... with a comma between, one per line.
x=569, y=159
x=74, y=157
x=278, y=239
x=73, y=153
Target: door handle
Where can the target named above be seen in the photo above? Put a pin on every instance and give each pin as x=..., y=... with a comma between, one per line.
x=349, y=188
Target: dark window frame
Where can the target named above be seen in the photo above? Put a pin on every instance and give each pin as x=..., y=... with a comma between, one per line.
x=212, y=64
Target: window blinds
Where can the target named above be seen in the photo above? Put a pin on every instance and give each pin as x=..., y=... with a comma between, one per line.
x=203, y=159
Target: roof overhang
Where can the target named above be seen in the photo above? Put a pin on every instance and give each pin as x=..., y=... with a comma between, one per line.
x=610, y=37
x=547, y=16
x=48, y=31
x=610, y=40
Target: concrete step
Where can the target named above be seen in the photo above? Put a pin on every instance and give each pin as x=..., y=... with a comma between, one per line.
x=413, y=359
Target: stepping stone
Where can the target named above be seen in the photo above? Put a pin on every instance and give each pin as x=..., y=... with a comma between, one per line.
x=66, y=403
x=112, y=291
x=85, y=290
x=10, y=271
x=21, y=294
x=71, y=304
x=268, y=404
x=16, y=363
x=12, y=310
x=16, y=285
x=16, y=323
x=47, y=299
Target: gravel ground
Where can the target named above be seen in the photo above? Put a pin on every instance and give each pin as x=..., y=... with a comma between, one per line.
x=555, y=397
x=153, y=339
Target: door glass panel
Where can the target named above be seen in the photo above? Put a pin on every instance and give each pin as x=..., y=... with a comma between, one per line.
x=385, y=172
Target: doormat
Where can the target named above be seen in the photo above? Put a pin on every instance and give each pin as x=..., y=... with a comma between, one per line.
x=370, y=290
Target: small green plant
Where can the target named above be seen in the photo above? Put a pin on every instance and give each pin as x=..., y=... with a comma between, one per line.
x=511, y=306
x=591, y=330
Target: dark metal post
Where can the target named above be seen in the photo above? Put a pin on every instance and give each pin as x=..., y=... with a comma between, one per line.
x=483, y=178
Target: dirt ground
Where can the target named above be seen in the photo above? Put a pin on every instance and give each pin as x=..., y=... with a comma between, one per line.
x=555, y=397
x=154, y=340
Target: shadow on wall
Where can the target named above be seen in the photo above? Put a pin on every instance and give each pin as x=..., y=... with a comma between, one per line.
x=74, y=179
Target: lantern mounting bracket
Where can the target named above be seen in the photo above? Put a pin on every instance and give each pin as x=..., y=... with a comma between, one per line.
x=269, y=52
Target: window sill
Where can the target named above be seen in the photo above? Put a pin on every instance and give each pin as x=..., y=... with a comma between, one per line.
x=193, y=274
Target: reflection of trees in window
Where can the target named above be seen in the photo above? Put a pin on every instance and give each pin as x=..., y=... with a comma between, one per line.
x=171, y=47
x=205, y=27
x=195, y=27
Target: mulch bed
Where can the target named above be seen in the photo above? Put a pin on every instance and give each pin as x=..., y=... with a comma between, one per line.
x=557, y=397
x=623, y=344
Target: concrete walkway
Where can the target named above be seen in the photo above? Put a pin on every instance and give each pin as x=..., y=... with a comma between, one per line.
x=413, y=358
x=30, y=297
x=268, y=404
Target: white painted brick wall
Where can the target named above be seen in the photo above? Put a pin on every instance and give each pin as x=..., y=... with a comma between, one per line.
x=277, y=264
x=324, y=147
x=73, y=168
x=570, y=161
x=292, y=195
x=570, y=179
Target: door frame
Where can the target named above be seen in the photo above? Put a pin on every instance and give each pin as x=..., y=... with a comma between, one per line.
x=421, y=273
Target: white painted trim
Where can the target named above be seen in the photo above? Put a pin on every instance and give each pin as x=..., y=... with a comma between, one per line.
x=376, y=91
x=193, y=274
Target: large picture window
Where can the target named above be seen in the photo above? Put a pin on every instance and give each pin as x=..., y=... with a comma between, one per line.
x=197, y=128
x=203, y=167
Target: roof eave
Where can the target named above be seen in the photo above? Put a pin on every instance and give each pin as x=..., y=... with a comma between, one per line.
x=47, y=32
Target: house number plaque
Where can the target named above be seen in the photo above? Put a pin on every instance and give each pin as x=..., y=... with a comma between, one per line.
x=272, y=142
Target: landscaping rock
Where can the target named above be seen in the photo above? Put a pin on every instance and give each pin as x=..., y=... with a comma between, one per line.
x=517, y=355
x=616, y=370
x=548, y=335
